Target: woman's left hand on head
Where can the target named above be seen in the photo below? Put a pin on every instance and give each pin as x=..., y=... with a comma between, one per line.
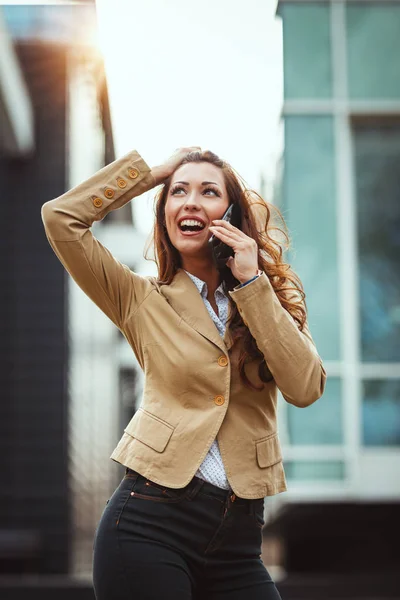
x=244, y=265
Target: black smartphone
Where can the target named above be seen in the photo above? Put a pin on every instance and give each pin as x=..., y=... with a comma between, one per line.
x=221, y=251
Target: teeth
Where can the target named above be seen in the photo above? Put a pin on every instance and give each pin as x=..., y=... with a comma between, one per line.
x=192, y=223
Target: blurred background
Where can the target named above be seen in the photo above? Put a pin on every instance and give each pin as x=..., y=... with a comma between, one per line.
x=303, y=98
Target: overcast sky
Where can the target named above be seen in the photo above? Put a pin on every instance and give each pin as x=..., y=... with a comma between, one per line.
x=183, y=72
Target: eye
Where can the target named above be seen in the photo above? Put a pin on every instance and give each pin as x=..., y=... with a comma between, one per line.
x=175, y=189
x=207, y=189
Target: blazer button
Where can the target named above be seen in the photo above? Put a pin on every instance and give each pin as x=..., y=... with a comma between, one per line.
x=133, y=173
x=219, y=400
x=222, y=361
x=121, y=183
x=109, y=193
x=97, y=201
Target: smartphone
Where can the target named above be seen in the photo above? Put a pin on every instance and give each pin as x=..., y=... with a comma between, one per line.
x=221, y=251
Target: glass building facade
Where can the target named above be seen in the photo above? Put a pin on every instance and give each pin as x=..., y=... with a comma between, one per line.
x=57, y=22
x=340, y=195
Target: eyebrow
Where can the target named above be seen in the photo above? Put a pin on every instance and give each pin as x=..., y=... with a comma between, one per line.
x=202, y=183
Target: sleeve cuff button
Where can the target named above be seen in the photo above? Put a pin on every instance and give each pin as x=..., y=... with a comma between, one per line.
x=98, y=202
x=109, y=193
x=133, y=173
x=121, y=183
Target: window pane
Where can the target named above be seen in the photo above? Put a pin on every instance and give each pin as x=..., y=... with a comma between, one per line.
x=307, y=54
x=377, y=159
x=308, y=470
x=51, y=22
x=381, y=412
x=320, y=423
x=373, y=33
x=310, y=211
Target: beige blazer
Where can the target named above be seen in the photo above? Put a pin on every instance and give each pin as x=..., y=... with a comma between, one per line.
x=192, y=391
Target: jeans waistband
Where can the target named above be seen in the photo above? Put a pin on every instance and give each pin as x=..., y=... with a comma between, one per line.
x=197, y=484
x=211, y=489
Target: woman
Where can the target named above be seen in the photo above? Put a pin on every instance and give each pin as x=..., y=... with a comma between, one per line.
x=202, y=451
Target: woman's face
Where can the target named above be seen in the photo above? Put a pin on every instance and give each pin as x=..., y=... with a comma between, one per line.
x=197, y=195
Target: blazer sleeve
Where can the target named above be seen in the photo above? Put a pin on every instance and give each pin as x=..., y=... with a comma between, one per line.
x=112, y=286
x=291, y=354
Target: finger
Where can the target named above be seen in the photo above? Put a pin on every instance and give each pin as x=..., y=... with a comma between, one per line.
x=230, y=227
x=228, y=239
x=227, y=232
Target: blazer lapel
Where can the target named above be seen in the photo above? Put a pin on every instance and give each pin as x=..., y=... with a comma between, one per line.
x=183, y=296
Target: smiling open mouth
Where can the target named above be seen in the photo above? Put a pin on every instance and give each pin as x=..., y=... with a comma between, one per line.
x=191, y=225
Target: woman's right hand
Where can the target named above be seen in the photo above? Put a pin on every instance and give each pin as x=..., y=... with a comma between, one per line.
x=162, y=172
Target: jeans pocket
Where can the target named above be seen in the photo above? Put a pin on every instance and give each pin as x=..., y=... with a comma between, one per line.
x=122, y=495
x=146, y=489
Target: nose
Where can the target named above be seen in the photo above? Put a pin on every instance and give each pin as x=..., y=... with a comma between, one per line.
x=192, y=201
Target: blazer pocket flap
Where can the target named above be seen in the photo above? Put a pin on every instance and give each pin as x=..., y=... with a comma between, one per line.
x=269, y=451
x=149, y=430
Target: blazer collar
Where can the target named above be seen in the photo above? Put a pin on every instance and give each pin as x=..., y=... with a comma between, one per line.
x=184, y=297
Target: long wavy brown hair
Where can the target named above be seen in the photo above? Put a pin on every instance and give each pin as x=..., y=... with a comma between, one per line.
x=261, y=221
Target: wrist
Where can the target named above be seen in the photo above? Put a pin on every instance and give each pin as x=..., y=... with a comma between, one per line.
x=159, y=173
x=246, y=279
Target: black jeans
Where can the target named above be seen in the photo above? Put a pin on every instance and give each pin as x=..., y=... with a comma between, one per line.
x=195, y=543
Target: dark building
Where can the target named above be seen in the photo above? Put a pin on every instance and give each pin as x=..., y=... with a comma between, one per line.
x=44, y=64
